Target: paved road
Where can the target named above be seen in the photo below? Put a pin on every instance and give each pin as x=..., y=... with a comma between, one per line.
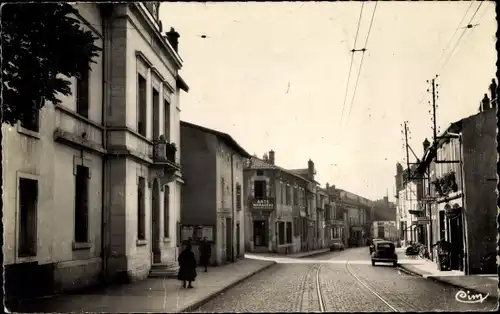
x=347, y=282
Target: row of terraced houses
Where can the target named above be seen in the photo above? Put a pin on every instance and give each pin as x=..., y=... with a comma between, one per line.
x=450, y=193
x=107, y=185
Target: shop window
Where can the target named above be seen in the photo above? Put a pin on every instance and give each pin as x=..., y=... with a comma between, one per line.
x=289, y=232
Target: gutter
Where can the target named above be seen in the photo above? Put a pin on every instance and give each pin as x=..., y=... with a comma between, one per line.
x=105, y=15
x=233, y=227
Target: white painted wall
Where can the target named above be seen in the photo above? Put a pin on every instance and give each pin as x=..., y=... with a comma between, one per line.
x=38, y=156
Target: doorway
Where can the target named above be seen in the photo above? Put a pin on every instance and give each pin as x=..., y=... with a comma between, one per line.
x=456, y=239
x=229, y=245
x=237, y=240
x=259, y=234
x=155, y=222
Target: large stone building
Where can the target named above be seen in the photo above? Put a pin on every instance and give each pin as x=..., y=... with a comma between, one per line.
x=84, y=195
x=358, y=211
x=212, y=203
x=278, y=218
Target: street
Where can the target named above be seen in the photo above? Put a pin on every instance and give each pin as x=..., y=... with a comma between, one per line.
x=347, y=283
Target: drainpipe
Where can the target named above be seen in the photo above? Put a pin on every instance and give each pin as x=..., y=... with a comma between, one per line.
x=232, y=208
x=106, y=13
x=465, y=228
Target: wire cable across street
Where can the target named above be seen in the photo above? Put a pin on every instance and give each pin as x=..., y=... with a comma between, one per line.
x=361, y=63
x=352, y=59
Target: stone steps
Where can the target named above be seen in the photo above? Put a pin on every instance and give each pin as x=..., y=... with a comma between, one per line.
x=164, y=270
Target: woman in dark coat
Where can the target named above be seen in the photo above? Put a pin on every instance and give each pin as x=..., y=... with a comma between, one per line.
x=205, y=253
x=187, y=266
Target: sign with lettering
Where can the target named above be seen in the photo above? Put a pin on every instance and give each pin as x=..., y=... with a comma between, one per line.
x=265, y=204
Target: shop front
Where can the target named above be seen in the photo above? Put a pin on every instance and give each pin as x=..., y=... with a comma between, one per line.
x=452, y=228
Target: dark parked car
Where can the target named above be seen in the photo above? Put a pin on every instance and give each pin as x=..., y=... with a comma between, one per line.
x=372, y=246
x=336, y=244
x=384, y=252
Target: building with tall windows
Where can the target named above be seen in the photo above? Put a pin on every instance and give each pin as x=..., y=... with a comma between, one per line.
x=92, y=185
x=279, y=216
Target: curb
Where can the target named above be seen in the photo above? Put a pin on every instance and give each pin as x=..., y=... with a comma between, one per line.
x=315, y=254
x=213, y=295
x=406, y=270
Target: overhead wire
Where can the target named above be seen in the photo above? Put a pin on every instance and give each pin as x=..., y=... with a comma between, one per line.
x=361, y=62
x=352, y=59
x=438, y=61
x=453, y=36
x=461, y=36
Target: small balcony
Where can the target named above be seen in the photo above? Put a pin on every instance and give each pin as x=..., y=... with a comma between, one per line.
x=164, y=165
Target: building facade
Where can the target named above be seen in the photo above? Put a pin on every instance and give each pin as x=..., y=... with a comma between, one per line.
x=335, y=217
x=85, y=201
x=461, y=192
x=358, y=214
x=409, y=206
x=212, y=200
x=385, y=230
x=278, y=215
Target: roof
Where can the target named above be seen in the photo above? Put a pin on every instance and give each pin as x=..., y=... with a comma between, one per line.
x=226, y=138
x=303, y=173
x=259, y=164
x=430, y=152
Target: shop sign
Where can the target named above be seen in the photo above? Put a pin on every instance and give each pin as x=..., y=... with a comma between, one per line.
x=423, y=220
x=264, y=204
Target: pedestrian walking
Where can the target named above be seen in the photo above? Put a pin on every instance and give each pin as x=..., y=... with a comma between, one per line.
x=187, y=266
x=205, y=253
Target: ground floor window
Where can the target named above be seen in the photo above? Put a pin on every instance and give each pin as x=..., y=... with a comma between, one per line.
x=289, y=232
x=281, y=232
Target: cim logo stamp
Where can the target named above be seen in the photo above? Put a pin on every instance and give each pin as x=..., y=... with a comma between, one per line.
x=467, y=297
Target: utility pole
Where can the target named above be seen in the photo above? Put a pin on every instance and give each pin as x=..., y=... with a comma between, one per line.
x=434, y=148
x=434, y=106
x=406, y=147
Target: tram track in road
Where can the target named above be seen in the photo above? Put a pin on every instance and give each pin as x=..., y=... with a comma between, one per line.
x=410, y=307
x=321, y=301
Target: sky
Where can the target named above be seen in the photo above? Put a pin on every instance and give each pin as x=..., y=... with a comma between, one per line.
x=274, y=76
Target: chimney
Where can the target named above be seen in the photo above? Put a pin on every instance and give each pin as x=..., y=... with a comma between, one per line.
x=271, y=157
x=493, y=92
x=486, y=102
x=265, y=158
x=173, y=39
x=426, y=145
x=310, y=168
x=327, y=186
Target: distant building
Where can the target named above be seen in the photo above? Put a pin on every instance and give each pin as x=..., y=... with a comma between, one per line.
x=335, y=217
x=358, y=211
x=409, y=189
x=212, y=199
x=385, y=230
x=383, y=210
x=278, y=216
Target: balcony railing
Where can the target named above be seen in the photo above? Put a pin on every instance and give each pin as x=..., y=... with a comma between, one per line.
x=164, y=152
x=164, y=165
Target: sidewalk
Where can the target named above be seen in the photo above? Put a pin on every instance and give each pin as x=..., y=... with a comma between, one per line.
x=294, y=255
x=152, y=294
x=484, y=284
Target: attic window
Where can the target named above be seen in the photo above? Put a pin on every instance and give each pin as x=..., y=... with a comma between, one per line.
x=260, y=172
